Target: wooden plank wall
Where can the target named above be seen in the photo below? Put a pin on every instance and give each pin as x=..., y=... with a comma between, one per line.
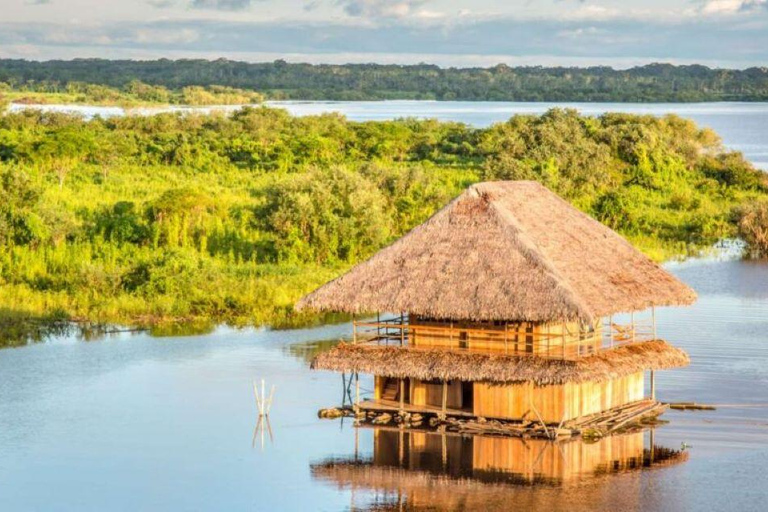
x=428, y=393
x=555, y=403
x=518, y=339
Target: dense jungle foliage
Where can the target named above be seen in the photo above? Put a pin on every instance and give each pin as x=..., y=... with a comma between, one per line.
x=134, y=93
x=281, y=80
x=232, y=218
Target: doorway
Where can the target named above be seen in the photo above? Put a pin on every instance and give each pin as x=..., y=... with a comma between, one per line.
x=467, y=396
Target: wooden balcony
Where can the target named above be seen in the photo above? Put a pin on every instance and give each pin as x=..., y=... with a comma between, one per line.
x=560, y=341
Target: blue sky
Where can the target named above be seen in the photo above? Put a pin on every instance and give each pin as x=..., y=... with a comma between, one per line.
x=726, y=33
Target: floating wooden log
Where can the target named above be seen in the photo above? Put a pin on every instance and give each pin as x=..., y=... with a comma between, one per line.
x=691, y=406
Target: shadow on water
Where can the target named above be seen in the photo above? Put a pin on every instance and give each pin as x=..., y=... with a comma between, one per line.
x=420, y=470
x=306, y=351
x=20, y=329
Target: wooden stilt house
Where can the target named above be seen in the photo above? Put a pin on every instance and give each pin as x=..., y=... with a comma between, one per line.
x=508, y=303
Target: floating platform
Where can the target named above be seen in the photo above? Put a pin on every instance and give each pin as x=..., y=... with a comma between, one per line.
x=386, y=412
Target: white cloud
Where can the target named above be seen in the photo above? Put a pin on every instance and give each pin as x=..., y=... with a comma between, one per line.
x=732, y=6
x=387, y=9
x=223, y=5
x=177, y=36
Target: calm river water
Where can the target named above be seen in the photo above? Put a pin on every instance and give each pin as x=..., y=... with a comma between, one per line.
x=136, y=422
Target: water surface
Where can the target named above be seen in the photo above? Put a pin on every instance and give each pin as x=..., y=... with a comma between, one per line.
x=135, y=422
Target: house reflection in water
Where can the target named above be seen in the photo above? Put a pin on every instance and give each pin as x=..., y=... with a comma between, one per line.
x=441, y=471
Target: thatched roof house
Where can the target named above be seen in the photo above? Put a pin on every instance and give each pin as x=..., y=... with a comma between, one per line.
x=502, y=299
x=508, y=250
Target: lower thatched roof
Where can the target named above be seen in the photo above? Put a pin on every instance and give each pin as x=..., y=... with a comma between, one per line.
x=440, y=364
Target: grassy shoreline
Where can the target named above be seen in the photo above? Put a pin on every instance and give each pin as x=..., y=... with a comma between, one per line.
x=134, y=95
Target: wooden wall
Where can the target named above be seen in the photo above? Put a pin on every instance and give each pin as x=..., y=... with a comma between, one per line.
x=428, y=393
x=518, y=337
x=555, y=403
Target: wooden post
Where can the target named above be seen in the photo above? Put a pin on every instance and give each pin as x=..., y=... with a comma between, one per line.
x=402, y=396
x=357, y=391
x=402, y=328
x=653, y=385
x=357, y=443
x=563, y=327
x=578, y=341
x=444, y=443
x=445, y=397
x=343, y=389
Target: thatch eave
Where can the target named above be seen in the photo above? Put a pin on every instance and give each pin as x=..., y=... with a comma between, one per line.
x=441, y=364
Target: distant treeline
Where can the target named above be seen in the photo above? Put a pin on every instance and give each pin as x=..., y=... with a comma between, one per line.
x=281, y=80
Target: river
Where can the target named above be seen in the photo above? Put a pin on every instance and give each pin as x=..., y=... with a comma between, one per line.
x=130, y=421
x=743, y=126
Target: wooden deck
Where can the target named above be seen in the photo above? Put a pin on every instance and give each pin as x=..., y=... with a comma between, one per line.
x=394, y=406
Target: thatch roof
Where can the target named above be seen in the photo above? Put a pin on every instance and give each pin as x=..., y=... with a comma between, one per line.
x=441, y=364
x=509, y=250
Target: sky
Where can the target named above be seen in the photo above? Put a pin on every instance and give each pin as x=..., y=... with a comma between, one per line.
x=718, y=33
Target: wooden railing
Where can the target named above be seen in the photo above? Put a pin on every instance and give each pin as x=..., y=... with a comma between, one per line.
x=562, y=341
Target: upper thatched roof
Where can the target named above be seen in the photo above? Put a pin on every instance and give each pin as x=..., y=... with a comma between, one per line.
x=441, y=364
x=509, y=250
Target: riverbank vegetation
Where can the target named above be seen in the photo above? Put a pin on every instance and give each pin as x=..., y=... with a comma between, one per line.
x=132, y=94
x=282, y=80
x=753, y=228
x=190, y=217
